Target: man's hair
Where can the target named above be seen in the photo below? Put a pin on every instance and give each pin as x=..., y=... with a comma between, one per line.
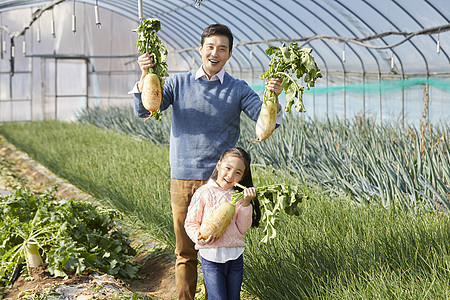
x=217, y=29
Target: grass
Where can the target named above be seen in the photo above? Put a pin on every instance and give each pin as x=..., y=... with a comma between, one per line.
x=356, y=158
x=336, y=249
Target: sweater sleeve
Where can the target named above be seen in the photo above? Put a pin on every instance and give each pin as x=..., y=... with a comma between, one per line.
x=243, y=217
x=194, y=215
x=251, y=103
x=139, y=109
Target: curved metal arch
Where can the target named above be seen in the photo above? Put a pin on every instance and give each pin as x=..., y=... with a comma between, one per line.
x=379, y=74
x=370, y=51
x=177, y=15
x=294, y=30
x=260, y=24
x=137, y=20
x=287, y=25
x=170, y=29
x=128, y=9
x=201, y=30
x=342, y=63
x=331, y=49
x=368, y=26
x=438, y=11
x=318, y=52
x=238, y=51
x=409, y=41
x=247, y=36
x=361, y=61
x=343, y=24
x=421, y=26
x=187, y=36
x=269, y=21
x=174, y=30
x=299, y=34
x=126, y=12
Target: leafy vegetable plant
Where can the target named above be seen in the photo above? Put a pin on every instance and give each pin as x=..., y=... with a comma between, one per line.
x=70, y=236
x=274, y=199
x=149, y=43
x=286, y=62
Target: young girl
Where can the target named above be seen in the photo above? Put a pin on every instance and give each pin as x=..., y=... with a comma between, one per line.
x=222, y=257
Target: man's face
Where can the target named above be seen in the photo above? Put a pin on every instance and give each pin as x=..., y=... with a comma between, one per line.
x=215, y=52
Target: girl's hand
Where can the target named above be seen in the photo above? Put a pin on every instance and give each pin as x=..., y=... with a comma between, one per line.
x=211, y=240
x=249, y=194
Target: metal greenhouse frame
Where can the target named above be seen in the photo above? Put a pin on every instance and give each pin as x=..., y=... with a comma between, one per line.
x=379, y=59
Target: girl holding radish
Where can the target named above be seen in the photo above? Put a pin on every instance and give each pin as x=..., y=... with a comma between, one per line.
x=222, y=256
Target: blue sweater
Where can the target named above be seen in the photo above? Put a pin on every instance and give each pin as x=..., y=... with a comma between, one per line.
x=205, y=120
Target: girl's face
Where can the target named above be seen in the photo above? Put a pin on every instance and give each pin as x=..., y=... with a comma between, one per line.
x=230, y=170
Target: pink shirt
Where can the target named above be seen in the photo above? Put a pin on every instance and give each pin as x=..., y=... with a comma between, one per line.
x=204, y=201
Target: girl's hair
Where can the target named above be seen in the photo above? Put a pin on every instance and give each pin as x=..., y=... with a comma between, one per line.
x=218, y=29
x=246, y=180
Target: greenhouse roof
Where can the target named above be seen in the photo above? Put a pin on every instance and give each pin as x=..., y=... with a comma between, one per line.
x=399, y=36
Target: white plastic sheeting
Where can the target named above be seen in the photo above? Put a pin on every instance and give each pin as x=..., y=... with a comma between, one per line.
x=61, y=74
x=351, y=39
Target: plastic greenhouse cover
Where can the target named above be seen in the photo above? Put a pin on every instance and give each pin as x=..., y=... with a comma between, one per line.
x=110, y=52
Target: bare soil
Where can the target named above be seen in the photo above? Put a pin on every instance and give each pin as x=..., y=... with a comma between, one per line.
x=156, y=274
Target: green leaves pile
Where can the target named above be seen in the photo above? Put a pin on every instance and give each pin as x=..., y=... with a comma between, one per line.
x=72, y=236
x=148, y=42
x=287, y=61
x=274, y=199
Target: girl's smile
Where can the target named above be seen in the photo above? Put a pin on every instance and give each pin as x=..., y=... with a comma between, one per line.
x=230, y=170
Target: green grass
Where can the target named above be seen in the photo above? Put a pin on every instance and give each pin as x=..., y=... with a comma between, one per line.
x=356, y=158
x=334, y=250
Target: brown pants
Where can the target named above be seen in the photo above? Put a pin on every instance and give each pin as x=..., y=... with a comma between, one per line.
x=181, y=192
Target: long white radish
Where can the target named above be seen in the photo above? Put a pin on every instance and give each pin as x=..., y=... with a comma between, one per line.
x=151, y=95
x=265, y=125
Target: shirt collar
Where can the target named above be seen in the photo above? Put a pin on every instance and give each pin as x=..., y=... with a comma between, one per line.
x=202, y=75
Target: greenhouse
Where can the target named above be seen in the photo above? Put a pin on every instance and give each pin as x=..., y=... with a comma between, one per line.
x=378, y=58
x=148, y=145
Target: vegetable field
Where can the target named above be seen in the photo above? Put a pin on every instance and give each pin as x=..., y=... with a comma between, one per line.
x=374, y=218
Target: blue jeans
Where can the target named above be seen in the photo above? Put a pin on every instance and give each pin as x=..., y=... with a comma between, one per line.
x=223, y=280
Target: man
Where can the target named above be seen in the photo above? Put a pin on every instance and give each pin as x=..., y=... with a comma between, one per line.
x=206, y=109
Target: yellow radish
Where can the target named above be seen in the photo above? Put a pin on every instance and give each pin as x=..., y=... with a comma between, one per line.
x=151, y=95
x=217, y=222
x=265, y=125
